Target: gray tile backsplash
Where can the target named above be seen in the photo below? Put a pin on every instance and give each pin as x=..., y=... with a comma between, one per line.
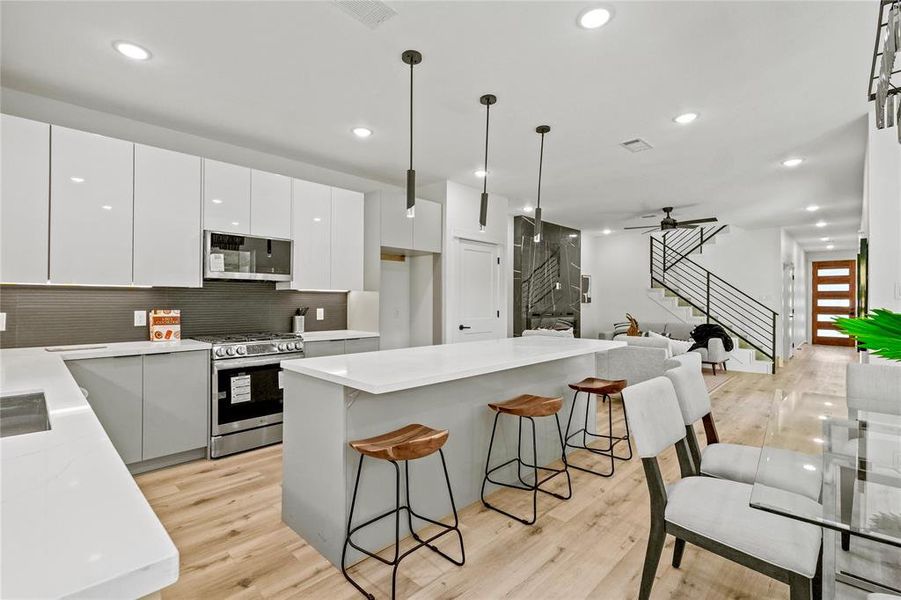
x=53, y=316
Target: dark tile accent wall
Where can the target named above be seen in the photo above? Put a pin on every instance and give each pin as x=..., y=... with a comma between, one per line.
x=54, y=316
x=539, y=269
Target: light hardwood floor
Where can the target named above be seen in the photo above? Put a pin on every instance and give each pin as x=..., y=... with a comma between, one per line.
x=224, y=517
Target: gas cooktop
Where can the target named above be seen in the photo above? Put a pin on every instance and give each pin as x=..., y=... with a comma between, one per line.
x=239, y=345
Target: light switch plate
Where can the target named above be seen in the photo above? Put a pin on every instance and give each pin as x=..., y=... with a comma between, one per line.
x=2, y=321
x=320, y=314
x=140, y=318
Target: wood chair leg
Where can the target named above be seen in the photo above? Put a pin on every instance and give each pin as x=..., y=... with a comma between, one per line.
x=714, y=368
x=800, y=588
x=656, y=539
x=678, y=550
x=724, y=367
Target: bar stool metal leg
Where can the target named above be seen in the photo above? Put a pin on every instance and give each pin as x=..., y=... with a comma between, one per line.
x=612, y=440
x=398, y=556
x=534, y=487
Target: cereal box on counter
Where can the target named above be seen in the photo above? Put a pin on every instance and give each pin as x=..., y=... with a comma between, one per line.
x=165, y=325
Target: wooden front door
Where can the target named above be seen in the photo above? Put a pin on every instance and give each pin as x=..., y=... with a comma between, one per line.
x=834, y=295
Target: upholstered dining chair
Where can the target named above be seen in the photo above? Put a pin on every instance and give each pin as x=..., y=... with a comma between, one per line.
x=873, y=387
x=714, y=514
x=735, y=462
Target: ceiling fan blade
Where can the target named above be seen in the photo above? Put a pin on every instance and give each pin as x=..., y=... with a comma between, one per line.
x=697, y=221
x=653, y=216
x=642, y=227
x=682, y=226
x=655, y=230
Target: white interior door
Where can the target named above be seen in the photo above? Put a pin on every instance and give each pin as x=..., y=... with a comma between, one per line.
x=478, y=300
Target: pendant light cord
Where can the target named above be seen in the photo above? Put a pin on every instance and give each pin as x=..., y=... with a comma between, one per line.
x=540, y=164
x=487, y=117
x=411, y=115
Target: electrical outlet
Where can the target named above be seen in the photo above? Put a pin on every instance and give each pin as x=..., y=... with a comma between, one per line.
x=140, y=318
x=2, y=321
x=320, y=314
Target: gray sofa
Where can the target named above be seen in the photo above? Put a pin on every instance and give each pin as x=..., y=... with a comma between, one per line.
x=714, y=354
x=642, y=359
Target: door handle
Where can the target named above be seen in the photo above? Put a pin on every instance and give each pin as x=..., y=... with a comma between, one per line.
x=462, y=327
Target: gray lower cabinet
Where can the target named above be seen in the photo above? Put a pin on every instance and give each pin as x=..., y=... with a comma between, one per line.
x=352, y=346
x=150, y=406
x=115, y=394
x=176, y=397
x=323, y=348
x=333, y=347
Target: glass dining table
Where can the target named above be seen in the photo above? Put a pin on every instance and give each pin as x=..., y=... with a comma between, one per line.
x=835, y=462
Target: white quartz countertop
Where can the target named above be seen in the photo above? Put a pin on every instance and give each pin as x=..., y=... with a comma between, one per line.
x=405, y=368
x=73, y=522
x=337, y=334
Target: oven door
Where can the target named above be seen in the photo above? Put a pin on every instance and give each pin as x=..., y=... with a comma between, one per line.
x=247, y=393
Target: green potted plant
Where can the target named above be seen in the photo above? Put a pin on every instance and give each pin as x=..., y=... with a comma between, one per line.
x=879, y=332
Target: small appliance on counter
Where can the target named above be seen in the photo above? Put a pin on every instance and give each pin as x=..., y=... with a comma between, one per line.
x=165, y=325
x=246, y=388
x=299, y=318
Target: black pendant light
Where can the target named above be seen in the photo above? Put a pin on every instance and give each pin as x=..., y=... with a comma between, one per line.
x=542, y=129
x=487, y=100
x=411, y=57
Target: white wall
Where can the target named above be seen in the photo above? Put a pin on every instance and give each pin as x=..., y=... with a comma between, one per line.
x=394, y=305
x=618, y=265
x=882, y=217
x=794, y=329
x=422, y=301
x=461, y=220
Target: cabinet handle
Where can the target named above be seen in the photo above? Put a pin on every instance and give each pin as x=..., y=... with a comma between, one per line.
x=462, y=327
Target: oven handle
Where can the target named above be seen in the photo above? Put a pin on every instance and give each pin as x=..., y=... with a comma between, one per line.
x=269, y=359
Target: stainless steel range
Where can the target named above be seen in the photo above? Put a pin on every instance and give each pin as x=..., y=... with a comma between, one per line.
x=246, y=385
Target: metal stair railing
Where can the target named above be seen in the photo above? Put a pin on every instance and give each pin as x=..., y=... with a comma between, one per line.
x=718, y=300
x=681, y=243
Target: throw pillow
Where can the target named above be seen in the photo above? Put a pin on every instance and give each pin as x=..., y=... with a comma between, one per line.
x=655, y=335
x=679, y=347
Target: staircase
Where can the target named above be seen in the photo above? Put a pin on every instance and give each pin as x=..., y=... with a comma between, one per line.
x=694, y=295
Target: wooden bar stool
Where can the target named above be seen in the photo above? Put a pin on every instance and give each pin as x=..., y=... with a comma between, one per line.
x=603, y=388
x=527, y=407
x=405, y=444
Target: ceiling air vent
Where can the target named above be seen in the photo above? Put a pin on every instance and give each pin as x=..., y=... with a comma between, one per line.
x=370, y=13
x=636, y=145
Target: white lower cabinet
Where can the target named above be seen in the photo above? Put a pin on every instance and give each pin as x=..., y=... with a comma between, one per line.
x=150, y=406
x=355, y=345
x=167, y=228
x=91, y=208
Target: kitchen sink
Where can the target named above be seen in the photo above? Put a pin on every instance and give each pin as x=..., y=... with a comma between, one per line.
x=23, y=413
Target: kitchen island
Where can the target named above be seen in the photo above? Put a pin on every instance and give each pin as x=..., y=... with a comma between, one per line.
x=330, y=401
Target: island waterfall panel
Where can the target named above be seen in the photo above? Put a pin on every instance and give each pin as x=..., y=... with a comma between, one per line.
x=546, y=276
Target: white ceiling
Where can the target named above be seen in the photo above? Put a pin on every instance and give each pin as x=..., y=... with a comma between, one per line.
x=769, y=79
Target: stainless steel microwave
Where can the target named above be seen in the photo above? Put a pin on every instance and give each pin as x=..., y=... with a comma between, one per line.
x=234, y=256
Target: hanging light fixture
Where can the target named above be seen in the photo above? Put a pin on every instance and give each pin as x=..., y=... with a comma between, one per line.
x=487, y=100
x=411, y=57
x=541, y=129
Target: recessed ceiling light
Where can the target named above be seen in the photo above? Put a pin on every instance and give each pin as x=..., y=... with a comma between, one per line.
x=77, y=179
x=362, y=132
x=607, y=231
x=316, y=219
x=106, y=207
x=594, y=18
x=235, y=223
x=813, y=208
x=809, y=467
x=686, y=118
x=792, y=162
x=830, y=247
x=481, y=173
x=527, y=209
x=821, y=223
x=574, y=235
x=132, y=51
x=216, y=201
x=824, y=239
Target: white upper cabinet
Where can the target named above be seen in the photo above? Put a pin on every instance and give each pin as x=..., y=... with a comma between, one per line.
x=24, y=200
x=397, y=228
x=427, y=226
x=270, y=205
x=91, y=208
x=226, y=197
x=347, y=240
x=168, y=230
x=312, y=236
